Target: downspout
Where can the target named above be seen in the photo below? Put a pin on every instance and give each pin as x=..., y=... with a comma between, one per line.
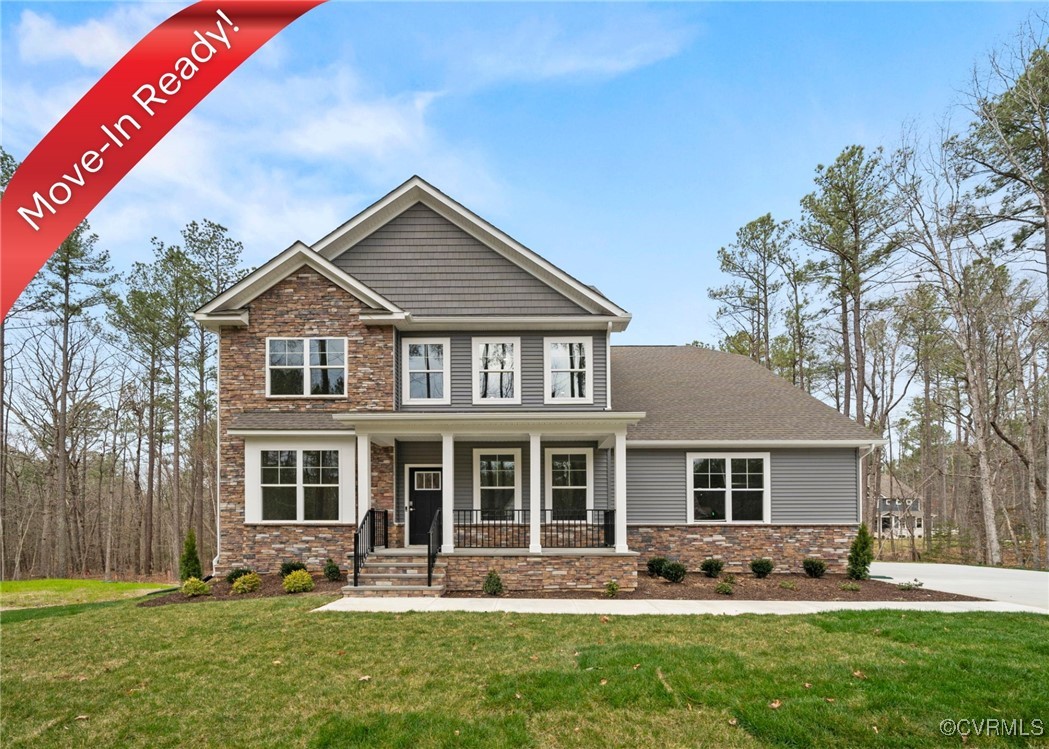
x=859, y=480
x=218, y=455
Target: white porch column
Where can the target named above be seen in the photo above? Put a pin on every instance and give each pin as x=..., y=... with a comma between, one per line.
x=620, y=491
x=447, y=493
x=364, y=475
x=535, y=464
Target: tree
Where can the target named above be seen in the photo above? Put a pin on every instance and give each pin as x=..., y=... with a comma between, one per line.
x=189, y=562
x=861, y=554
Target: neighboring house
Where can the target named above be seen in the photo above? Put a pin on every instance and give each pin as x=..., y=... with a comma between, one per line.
x=422, y=371
x=900, y=513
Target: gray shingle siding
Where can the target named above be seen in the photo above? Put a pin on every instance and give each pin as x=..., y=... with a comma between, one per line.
x=808, y=486
x=428, y=266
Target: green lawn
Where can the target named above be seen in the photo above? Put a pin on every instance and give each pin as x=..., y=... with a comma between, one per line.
x=268, y=673
x=58, y=592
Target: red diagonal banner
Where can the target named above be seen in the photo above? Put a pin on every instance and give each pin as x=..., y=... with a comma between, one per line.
x=119, y=121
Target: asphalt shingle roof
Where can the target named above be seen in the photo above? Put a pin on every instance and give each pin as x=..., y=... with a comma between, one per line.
x=290, y=420
x=691, y=393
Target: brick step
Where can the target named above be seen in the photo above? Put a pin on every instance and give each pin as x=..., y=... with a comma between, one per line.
x=392, y=578
x=400, y=569
x=391, y=591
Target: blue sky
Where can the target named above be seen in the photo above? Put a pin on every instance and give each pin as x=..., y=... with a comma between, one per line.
x=625, y=142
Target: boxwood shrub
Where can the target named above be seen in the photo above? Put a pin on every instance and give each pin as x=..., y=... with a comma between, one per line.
x=761, y=567
x=194, y=587
x=656, y=565
x=332, y=571
x=248, y=583
x=712, y=567
x=814, y=567
x=236, y=572
x=673, y=572
x=298, y=581
x=286, y=568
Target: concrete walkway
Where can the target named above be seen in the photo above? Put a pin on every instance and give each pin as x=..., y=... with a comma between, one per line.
x=635, y=607
x=1026, y=587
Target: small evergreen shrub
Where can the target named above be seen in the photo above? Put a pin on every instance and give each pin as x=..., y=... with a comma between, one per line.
x=298, y=581
x=332, y=571
x=236, y=572
x=914, y=584
x=673, y=572
x=611, y=589
x=712, y=567
x=850, y=586
x=248, y=583
x=189, y=562
x=788, y=585
x=761, y=567
x=814, y=567
x=286, y=568
x=723, y=588
x=861, y=554
x=194, y=587
x=656, y=565
x=493, y=584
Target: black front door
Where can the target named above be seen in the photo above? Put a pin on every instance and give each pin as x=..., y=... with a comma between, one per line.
x=424, y=497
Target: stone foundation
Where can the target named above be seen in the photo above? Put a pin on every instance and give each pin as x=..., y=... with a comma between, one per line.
x=264, y=547
x=541, y=572
x=737, y=545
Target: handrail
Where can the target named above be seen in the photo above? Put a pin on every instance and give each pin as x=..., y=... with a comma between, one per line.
x=363, y=543
x=558, y=528
x=433, y=545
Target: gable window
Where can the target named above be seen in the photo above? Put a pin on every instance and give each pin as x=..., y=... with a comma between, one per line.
x=496, y=370
x=497, y=483
x=569, y=482
x=425, y=371
x=314, y=367
x=568, y=370
x=728, y=488
x=300, y=485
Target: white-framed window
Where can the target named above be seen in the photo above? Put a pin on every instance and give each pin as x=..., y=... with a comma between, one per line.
x=728, y=488
x=289, y=481
x=306, y=367
x=497, y=370
x=568, y=369
x=425, y=371
x=497, y=482
x=428, y=480
x=569, y=482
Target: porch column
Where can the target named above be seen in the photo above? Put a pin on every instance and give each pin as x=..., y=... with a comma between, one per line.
x=620, y=491
x=535, y=457
x=447, y=493
x=364, y=475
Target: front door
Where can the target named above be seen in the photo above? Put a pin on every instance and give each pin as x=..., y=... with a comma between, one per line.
x=424, y=497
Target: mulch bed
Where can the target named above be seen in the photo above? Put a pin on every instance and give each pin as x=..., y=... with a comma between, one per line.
x=221, y=591
x=697, y=587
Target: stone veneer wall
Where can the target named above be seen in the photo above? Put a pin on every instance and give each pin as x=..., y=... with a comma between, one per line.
x=303, y=305
x=736, y=545
x=546, y=571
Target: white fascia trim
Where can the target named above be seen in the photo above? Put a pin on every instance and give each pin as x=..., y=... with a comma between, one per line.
x=393, y=417
x=475, y=370
x=235, y=318
x=446, y=373
x=282, y=266
x=417, y=190
x=731, y=444
x=503, y=322
x=495, y=450
x=280, y=433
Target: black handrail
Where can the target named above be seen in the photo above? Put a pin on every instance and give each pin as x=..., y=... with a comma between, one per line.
x=363, y=543
x=558, y=529
x=491, y=529
x=433, y=545
x=578, y=529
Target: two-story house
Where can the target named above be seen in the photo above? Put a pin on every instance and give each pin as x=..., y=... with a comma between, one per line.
x=420, y=384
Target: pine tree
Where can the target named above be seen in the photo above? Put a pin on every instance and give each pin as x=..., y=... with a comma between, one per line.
x=189, y=562
x=861, y=554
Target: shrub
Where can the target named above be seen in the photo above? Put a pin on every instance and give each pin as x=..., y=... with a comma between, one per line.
x=189, y=562
x=674, y=572
x=788, y=585
x=493, y=584
x=723, y=588
x=851, y=586
x=332, y=571
x=236, y=572
x=298, y=581
x=611, y=589
x=248, y=583
x=914, y=584
x=194, y=587
x=861, y=554
x=814, y=567
x=761, y=567
x=730, y=579
x=656, y=565
x=712, y=567
x=286, y=568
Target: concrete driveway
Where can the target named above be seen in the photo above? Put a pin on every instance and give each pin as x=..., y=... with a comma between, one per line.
x=1026, y=587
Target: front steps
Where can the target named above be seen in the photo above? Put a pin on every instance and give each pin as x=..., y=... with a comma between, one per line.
x=391, y=573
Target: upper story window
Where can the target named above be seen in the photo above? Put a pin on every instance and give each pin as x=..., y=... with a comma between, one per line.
x=568, y=365
x=297, y=367
x=728, y=488
x=496, y=370
x=424, y=374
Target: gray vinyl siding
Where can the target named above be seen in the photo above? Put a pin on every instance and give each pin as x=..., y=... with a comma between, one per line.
x=461, y=371
x=808, y=486
x=427, y=265
x=411, y=453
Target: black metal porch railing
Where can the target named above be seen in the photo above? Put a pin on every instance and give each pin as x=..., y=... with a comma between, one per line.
x=578, y=529
x=558, y=529
x=373, y=528
x=491, y=529
x=433, y=545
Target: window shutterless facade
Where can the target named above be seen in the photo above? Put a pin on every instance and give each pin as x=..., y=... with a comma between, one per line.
x=728, y=488
x=425, y=371
x=569, y=482
x=568, y=370
x=497, y=482
x=496, y=370
x=289, y=481
x=306, y=367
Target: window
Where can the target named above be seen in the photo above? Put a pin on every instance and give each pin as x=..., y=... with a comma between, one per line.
x=283, y=484
x=728, y=488
x=569, y=482
x=425, y=370
x=567, y=364
x=428, y=480
x=497, y=489
x=298, y=367
x=496, y=372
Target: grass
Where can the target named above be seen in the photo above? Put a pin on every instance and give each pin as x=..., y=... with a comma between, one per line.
x=59, y=592
x=269, y=673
